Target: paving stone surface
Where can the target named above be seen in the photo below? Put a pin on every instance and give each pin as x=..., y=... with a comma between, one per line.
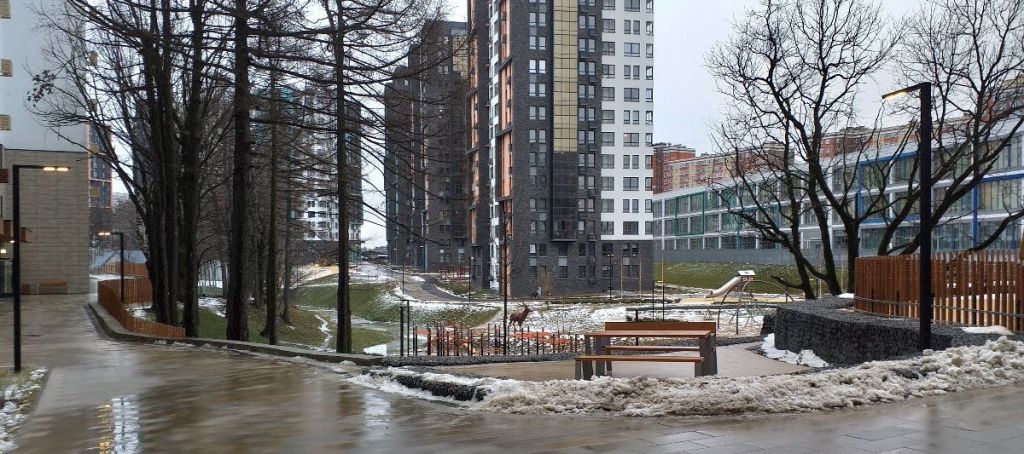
x=105, y=396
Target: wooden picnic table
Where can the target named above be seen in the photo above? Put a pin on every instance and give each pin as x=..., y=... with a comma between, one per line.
x=595, y=343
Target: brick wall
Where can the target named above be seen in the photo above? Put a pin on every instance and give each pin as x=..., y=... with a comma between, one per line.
x=55, y=207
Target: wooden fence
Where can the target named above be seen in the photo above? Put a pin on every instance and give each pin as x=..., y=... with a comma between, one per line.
x=969, y=288
x=137, y=291
x=132, y=269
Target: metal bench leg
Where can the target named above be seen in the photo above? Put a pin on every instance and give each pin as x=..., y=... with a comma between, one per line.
x=588, y=369
x=579, y=370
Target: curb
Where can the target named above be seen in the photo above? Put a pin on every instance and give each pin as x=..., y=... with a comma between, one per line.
x=112, y=329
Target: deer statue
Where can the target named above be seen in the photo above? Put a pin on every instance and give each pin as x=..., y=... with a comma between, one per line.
x=520, y=317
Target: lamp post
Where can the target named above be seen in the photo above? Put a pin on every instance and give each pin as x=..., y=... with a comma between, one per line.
x=16, y=271
x=121, y=241
x=926, y=223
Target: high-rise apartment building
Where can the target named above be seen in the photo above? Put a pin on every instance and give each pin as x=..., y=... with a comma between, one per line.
x=560, y=162
x=425, y=143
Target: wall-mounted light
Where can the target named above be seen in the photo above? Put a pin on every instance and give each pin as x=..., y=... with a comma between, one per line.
x=56, y=169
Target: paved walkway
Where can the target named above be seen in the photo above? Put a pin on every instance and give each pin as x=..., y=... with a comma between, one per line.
x=733, y=361
x=106, y=396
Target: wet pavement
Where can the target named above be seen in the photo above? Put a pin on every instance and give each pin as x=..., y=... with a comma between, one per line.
x=105, y=396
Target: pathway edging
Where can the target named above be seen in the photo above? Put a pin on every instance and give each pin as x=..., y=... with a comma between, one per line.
x=111, y=328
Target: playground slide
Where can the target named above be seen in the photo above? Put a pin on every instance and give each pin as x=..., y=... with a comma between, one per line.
x=725, y=288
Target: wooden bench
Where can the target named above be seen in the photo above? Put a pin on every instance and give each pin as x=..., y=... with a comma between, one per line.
x=51, y=287
x=613, y=326
x=584, y=362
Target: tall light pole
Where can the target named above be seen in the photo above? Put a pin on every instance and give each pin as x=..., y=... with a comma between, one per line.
x=17, y=237
x=121, y=238
x=926, y=223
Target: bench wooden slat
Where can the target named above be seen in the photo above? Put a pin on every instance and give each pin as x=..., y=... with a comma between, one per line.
x=584, y=362
x=651, y=348
x=647, y=358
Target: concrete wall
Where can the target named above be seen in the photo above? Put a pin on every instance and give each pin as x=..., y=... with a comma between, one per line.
x=55, y=207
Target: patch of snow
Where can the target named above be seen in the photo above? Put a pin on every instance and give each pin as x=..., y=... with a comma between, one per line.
x=215, y=305
x=995, y=329
x=996, y=363
x=390, y=386
x=325, y=328
x=107, y=277
x=848, y=296
x=415, y=278
x=805, y=357
x=381, y=349
x=397, y=291
x=139, y=312
x=13, y=407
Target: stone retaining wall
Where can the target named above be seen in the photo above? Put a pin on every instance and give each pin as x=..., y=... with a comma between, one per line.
x=842, y=336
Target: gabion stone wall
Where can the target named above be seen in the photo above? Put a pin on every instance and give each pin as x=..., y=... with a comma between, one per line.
x=842, y=336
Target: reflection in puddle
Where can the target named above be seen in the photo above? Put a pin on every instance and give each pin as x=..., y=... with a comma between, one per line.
x=119, y=422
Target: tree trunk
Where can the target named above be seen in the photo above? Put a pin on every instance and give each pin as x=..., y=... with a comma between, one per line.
x=270, y=330
x=237, y=324
x=344, y=339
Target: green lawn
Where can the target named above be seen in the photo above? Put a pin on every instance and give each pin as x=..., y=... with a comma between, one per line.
x=713, y=275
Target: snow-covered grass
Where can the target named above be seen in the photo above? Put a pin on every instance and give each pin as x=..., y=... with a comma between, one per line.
x=996, y=363
x=805, y=357
x=18, y=392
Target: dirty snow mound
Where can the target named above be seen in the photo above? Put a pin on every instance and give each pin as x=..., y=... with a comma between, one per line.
x=996, y=363
x=14, y=400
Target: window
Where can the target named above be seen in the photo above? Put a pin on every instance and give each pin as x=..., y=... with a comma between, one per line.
x=608, y=4
x=631, y=228
x=540, y=19
x=630, y=94
x=608, y=138
x=648, y=183
x=537, y=87
x=631, y=49
x=649, y=92
x=650, y=73
x=538, y=66
x=607, y=161
x=648, y=162
x=538, y=42
x=608, y=93
x=5, y=122
x=649, y=118
x=607, y=206
x=631, y=183
x=538, y=112
x=608, y=48
x=636, y=162
x=631, y=139
x=608, y=71
x=607, y=228
x=631, y=27
x=631, y=72
x=650, y=6
x=608, y=25
x=648, y=206
x=632, y=5
x=607, y=183
x=6, y=67
x=648, y=139
x=649, y=27
x=625, y=205
x=650, y=51
x=5, y=9
x=607, y=117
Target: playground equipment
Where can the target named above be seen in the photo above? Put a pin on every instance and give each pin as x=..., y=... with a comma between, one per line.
x=746, y=301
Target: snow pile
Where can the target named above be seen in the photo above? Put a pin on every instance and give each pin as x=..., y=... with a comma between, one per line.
x=13, y=405
x=370, y=273
x=848, y=296
x=402, y=295
x=995, y=363
x=995, y=329
x=805, y=357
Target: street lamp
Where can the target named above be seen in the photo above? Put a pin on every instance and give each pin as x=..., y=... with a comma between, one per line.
x=121, y=238
x=16, y=271
x=924, y=152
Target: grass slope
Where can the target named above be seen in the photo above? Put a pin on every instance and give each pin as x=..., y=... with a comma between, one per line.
x=713, y=275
